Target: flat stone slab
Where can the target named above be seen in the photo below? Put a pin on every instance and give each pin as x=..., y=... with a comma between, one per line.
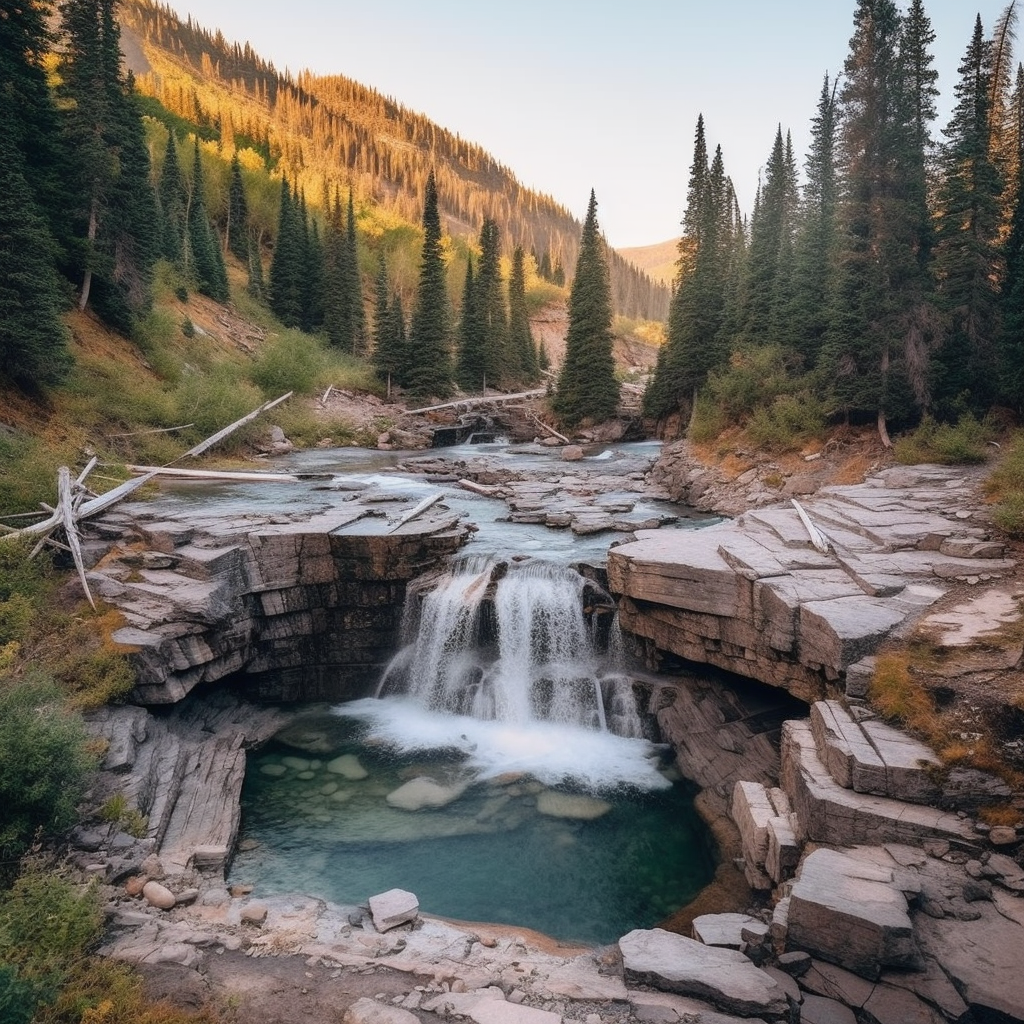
x=724, y=977
x=851, y=912
x=970, y=622
x=393, y=908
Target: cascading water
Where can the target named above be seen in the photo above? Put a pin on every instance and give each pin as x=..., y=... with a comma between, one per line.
x=501, y=773
x=500, y=662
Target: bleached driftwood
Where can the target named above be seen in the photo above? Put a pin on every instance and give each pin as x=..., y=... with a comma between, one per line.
x=231, y=428
x=486, y=490
x=66, y=507
x=418, y=510
x=480, y=400
x=818, y=539
x=216, y=474
x=327, y=394
x=551, y=430
x=154, y=430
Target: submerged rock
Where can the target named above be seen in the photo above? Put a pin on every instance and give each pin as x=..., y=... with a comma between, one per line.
x=420, y=793
x=571, y=805
x=348, y=766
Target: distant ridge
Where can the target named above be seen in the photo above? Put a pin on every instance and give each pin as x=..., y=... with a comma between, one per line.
x=658, y=261
x=328, y=132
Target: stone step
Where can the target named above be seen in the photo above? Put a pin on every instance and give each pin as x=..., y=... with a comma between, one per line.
x=828, y=813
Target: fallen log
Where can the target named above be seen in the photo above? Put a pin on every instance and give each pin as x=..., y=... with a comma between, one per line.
x=486, y=490
x=818, y=539
x=231, y=428
x=66, y=507
x=551, y=430
x=480, y=400
x=418, y=510
x=217, y=474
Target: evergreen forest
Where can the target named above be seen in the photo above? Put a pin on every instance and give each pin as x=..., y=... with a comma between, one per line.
x=888, y=287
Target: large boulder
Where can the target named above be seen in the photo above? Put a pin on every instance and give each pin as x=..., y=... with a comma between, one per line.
x=851, y=912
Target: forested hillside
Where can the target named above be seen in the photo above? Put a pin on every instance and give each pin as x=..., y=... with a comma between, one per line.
x=891, y=286
x=328, y=132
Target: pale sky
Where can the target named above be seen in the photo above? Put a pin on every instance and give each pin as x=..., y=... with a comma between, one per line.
x=604, y=94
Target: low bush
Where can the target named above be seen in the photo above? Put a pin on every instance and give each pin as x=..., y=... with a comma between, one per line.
x=787, y=424
x=291, y=362
x=1006, y=488
x=44, y=758
x=965, y=442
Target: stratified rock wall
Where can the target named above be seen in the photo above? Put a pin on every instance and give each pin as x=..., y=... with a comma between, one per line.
x=306, y=607
x=755, y=597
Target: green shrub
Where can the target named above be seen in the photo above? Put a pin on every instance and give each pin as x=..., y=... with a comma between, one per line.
x=1006, y=487
x=963, y=443
x=788, y=423
x=709, y=420
x=213, y=400
x=291, y=362
x=43, y=762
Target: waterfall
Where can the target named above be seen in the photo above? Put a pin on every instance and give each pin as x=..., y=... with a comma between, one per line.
x=509, y=642
x=500, y=664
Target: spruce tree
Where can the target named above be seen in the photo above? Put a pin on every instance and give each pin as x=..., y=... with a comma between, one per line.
x=1011, y=338
x=696, y=344
x=115, y=207
x=33, y=338
x=285, y=278
x=471, y=356
x=357, y=314
x=587, y=388
x=877, y=343
x=238, y=213
x=388, y=331
x=968, y=259
x=428, y=366
x=522, y=350
x=817, y=236
x=337, y=308
x=207, y=266
x=173, y=198
x=490, y=308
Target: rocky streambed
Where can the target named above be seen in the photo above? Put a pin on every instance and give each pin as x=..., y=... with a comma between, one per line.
x=857, y=882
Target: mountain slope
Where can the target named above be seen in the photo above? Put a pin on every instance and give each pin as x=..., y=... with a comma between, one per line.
x=657, y=261
x=328, y=132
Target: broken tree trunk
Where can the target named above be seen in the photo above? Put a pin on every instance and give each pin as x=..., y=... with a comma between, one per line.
x=418, y=510
x=231, y=428
x=66, y=508
x=551, y=430
x=216, y=474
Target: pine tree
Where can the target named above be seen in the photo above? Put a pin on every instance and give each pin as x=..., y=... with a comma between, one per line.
x=817, y=236
x=428, y=366
x=587, y=388
x=173, y=198
x=285, y=278
x=471, y=357
x=337, y=308
x=522, y=350
x=882, y=319
x=33, y=338
x=968, y=260
x=490, y=309
x=1011, y=347
x=238, y=213
x=207, y=263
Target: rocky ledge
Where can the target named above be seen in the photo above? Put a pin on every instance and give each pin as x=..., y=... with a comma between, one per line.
x=303, y=606
x=754, y=596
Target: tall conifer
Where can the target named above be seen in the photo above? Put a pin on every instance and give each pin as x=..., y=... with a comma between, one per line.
x=428, y=366
x=522, y=350
x=587, y=388
x=238, y=213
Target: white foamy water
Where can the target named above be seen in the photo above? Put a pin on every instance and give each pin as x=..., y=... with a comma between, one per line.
x=499, y=663
x=551, y=752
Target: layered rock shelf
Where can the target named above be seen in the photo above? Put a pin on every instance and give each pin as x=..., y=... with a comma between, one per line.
x=303, y=606
x=755, y=597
